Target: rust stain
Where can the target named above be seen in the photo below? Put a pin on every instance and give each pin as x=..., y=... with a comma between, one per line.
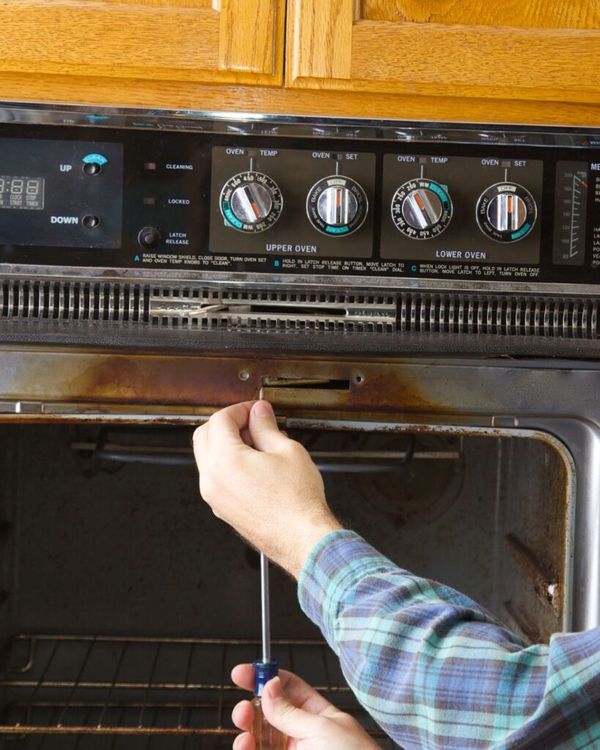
x=311, y=388
x=545, y=585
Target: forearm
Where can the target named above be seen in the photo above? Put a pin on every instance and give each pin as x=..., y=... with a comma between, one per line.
x=433, y=668
x=292, y=554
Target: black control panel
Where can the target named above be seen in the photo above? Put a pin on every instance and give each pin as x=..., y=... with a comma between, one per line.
x=280, y=203
x=61, y=193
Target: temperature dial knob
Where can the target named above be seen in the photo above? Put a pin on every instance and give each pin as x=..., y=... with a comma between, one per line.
x=421, y=209
x=506, y=212
x=251, y=202
x=337, y=205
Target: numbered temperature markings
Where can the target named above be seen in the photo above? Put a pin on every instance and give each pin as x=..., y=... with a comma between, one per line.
x=421, y=209
x=251, y=202
x=570, y=213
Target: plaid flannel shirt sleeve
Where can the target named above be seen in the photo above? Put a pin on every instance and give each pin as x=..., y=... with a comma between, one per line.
x=435, y=670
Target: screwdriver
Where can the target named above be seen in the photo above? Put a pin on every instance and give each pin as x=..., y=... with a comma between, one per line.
x=265, y=736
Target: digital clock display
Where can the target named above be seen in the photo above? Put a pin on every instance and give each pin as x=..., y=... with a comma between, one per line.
x=22, y=192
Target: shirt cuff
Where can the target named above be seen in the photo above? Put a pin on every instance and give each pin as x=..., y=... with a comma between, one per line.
x=338, y=561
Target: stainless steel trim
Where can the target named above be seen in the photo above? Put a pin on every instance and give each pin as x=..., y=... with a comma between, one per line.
x=116, y=275
x=242, y=123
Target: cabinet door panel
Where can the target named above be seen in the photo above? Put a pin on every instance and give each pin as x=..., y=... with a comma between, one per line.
x=464, y=49
x=231, y=41
x=555, y=14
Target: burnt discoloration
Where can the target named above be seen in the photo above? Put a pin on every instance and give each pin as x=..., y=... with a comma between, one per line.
x=544, y=584
x=296, y=386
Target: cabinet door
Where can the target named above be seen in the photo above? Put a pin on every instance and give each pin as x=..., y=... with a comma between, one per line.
x=546, y=50
x=220, y=41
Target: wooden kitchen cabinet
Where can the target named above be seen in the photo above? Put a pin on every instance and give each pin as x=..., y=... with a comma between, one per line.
x=470, y=60
x=203, y=41
x=544, y=50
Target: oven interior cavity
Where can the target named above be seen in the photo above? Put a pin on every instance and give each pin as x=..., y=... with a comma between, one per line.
x=124, y=603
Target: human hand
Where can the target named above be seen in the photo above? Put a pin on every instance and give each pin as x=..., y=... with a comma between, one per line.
x=294, y=708
x=262, y=483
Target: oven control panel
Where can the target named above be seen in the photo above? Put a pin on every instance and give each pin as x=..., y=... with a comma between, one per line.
x=288, y=205
x=429, y=208
x=50, y=194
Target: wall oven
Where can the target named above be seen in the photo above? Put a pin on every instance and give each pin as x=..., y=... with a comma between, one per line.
x=418, y=301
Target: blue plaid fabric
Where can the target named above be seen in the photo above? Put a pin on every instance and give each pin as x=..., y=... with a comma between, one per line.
x=435, y=670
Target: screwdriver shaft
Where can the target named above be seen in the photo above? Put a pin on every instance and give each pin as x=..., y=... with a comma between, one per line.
x=264, y=607
x=266, y=737
x=264, y=594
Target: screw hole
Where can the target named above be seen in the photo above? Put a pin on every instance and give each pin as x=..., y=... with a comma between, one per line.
x=359, y=379
x=244, y=375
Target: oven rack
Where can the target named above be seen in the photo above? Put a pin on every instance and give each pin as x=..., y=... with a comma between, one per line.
x=147, y=691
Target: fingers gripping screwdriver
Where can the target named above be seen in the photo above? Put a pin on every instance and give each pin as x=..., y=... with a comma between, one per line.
x=265, y=735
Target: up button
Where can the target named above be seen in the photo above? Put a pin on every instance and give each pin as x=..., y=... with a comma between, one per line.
x=93, y=163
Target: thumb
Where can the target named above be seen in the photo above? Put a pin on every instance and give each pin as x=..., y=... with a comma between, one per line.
x=292, y=721
x=263, y=428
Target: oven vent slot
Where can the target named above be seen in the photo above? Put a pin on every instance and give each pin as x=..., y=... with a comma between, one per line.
x=271, y=310
x=73, y=301
x=204, y=308
x=573, y=318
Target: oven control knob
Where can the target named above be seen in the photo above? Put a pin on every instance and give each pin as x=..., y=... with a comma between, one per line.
x=251, y=202
x=506, y=212
x=337, y=205
x=421, y=209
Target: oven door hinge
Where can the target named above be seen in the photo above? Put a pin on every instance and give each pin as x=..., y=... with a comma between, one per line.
x=22, y=407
